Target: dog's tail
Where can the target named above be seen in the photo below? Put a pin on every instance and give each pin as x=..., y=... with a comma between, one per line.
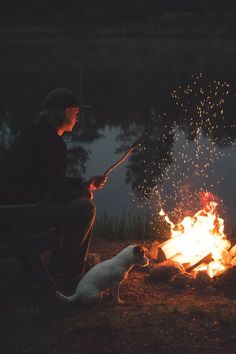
x=65, y=299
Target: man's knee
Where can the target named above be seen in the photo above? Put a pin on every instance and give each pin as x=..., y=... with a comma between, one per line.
x=84, y=208
x=90, y=208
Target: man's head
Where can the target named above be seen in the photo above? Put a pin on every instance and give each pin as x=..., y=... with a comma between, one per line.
x=62, y=106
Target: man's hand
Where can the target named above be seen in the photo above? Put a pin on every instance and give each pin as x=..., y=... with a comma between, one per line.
x=96, y=182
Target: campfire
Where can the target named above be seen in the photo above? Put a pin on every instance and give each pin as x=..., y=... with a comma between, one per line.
x=198, y=243
x=199, y=237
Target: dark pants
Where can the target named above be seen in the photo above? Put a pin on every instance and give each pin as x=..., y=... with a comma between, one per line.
x=73, y=221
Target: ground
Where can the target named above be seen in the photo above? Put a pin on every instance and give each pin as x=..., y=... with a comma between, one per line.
x=154, y=319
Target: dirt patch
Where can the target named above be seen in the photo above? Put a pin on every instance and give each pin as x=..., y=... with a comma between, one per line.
x=154, y=319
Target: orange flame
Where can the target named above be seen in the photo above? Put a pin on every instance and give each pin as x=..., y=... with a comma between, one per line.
x=196, y=237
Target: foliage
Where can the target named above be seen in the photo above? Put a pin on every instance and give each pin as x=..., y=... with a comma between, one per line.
x=104, y=11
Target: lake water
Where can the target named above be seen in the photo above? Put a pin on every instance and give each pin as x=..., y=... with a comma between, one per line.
x=163, y=90
x=118, y=197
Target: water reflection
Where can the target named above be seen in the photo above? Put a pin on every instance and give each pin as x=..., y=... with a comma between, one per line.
x=136, y=89
x=204, y=111
x=176, y=188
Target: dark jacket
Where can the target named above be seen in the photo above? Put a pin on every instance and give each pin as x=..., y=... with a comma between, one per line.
x=34, y=168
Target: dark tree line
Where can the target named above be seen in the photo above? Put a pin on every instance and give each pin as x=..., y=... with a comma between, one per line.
x=77, y=12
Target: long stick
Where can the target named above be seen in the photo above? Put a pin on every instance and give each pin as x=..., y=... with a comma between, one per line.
x=123, y=159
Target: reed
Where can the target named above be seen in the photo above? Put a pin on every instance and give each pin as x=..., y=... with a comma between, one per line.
x=138, y=227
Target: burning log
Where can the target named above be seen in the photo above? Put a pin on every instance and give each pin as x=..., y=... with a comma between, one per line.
x=207, y=259
x=204, y=257
x=233, y=262
x=226, y=258
x=163, y=272
x=182, y=280
x=200, y=239
x=202, y=280
x=233, y=251
x=161, y=257
x=231, y=257
x=227, y=280
x=156, y=253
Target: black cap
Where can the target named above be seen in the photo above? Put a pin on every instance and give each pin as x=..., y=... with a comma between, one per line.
x=61, y=98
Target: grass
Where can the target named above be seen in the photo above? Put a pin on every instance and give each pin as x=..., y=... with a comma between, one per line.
x=139, y=227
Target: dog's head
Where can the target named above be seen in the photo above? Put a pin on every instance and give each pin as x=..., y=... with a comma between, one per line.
x=139, y=255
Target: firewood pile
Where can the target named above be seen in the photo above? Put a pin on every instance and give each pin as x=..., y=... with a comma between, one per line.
x=179, y=276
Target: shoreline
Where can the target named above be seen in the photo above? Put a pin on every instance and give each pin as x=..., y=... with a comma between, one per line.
x=170, y=25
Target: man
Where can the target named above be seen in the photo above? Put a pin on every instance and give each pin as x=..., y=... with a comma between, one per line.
x=34, y=171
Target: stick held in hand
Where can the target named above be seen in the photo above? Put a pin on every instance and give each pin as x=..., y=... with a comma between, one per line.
x=123, y=159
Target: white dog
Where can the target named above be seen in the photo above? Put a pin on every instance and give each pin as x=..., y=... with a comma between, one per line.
x=107, y=275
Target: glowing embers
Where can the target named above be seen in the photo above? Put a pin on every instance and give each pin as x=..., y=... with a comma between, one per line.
x=199, y=236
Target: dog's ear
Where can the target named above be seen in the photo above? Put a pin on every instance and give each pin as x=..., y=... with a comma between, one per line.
x=138, y=251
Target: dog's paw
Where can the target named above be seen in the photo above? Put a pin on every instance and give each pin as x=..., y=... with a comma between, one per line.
x=62, y=299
